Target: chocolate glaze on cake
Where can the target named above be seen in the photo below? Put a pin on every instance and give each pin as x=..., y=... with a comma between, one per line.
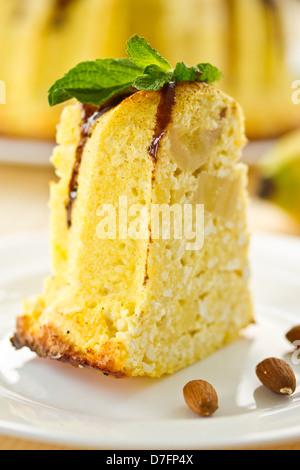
x=163, y=117
x=62, y=4
x=89, y=117
x=60, y=11
x=270, y=3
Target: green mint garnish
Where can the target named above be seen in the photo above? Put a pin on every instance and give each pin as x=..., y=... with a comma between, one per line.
x=153, y=79
x=201, y=73
x=95, y=82
x=143, y=55
x=210, y=73
x=184, y=73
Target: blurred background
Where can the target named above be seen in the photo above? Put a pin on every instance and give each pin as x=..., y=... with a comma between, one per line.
x=255, y=43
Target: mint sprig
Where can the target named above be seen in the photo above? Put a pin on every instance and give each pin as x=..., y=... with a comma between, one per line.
x=153, y=79
x=201, y=73
x=143, y=55
x=95, y=82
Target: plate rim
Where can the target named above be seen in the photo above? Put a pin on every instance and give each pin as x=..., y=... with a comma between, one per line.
x=54, y=437
x=30, y=151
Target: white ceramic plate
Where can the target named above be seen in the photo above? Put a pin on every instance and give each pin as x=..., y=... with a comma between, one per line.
x=25, y=152
x=31, y=152
x=53, y=402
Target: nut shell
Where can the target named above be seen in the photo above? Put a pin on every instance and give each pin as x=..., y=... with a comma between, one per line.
x=201, y=397
x=277, y=376
x=294, y=335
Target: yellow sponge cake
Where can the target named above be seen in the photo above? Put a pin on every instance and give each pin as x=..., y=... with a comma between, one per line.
x=129, y=305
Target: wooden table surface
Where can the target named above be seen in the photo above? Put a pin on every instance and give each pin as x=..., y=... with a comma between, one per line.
x=24, y=208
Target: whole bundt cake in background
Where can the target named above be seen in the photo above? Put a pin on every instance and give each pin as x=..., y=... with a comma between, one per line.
x=245, y=38
x=43, y=39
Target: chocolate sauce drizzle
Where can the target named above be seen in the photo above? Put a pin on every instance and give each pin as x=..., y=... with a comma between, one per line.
x=89, y=117
x=61, y=4
x=60, y=11
x=270, y=3
x=91, y=114
x=163, y=117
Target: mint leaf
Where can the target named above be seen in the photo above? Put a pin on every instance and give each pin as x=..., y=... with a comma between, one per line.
x=96, y=97
x=95, y=82
x=200, y=73
x=183, y=73
x=143, y=55
x=153, y=79
x=210, y=73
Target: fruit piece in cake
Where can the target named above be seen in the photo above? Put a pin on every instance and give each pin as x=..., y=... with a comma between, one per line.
x=143, y=306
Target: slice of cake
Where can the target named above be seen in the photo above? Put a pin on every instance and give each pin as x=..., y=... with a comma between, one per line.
x=129, y=301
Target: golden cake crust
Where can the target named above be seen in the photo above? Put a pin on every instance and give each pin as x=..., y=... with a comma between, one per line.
x=49, y=344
